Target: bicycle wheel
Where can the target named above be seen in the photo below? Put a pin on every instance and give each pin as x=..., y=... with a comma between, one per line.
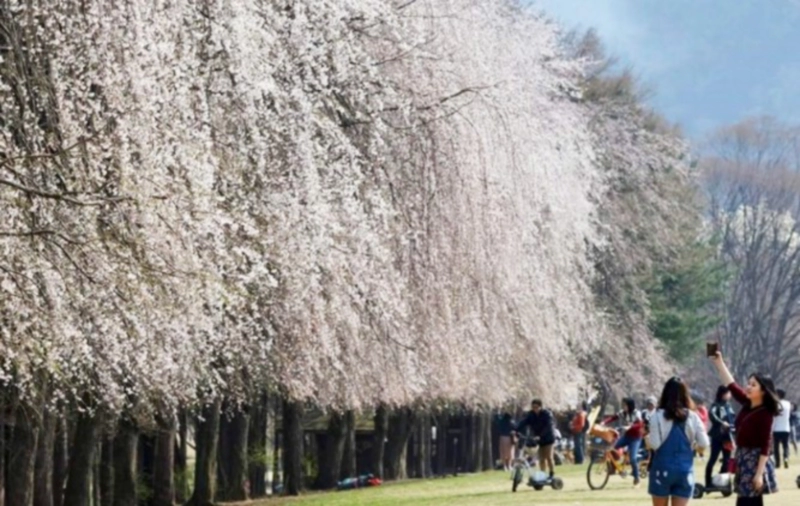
x=517, y=479
x=597, y=473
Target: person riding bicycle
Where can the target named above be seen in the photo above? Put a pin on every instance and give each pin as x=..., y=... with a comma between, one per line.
x=632, y=425
x=542, y=426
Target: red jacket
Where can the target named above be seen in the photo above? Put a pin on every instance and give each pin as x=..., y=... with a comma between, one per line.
x=636, y=428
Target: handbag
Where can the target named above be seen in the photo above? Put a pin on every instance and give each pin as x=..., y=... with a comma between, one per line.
x=731, y=465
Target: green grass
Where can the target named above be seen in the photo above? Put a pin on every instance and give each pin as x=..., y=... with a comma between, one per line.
x=494, y=489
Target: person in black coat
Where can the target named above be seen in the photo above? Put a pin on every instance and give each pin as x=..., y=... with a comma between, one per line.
x=722, y=417
x=541, y=425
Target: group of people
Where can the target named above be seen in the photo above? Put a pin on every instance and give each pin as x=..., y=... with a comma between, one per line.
x=673, y=430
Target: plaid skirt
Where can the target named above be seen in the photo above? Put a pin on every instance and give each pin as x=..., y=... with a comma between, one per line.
x=746, y=466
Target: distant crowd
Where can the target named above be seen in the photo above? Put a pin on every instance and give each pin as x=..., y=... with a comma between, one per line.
x=675, y=429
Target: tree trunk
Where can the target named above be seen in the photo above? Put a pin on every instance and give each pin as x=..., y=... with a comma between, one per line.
x=96, y=487
x=399, y=429
x=78, y=490
x=421, y=450
x=477, y=443
x=330, y=462
x=379, y=440
x=257, y=446
x=488, y=453
x=441, y=444
x=463, y=443
x=22, y=457
x=206, y=441
x=349, y=464
x=2, y=456
x=181, y=476
x=425, y=447
x=163, y=463
x=292, y=447
x=124, y=457
x=107, y=472
x=43, y=475
x=60, y=457
x=412, y=450
x=277, y=446
x=145, y=461
x=232, y=457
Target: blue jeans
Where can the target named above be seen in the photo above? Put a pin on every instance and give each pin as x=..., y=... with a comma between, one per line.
x=632, y=444
x=580, y=446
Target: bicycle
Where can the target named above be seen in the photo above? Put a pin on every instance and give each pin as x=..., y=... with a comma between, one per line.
x=604, y=460
x=521, y=466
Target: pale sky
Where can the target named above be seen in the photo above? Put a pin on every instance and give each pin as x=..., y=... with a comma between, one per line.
x=710, y=62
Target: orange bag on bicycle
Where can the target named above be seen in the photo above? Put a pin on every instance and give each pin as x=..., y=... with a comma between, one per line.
x=607, y=434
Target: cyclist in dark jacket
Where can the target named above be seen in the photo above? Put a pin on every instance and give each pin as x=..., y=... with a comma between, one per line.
x=722, y=418
x=542, y=425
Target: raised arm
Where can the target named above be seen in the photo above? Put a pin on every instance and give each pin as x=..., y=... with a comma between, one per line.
x=727, y=379
x=722, y=369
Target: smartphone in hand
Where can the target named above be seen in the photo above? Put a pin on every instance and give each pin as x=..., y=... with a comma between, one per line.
x=712, y=348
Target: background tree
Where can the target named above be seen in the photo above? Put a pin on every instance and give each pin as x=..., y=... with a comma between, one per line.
x=752, y=179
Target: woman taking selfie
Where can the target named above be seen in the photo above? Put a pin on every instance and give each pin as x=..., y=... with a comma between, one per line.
x=755, y=473
x=674, y=432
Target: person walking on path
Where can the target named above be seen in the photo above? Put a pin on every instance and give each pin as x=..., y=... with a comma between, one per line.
x=675, y=430
x=782, y=431
x=755, y=472
x=578, y=428
x=633, y=427
x=542, y=425
x=505, y=426
x=794, y=423
x=722, y=418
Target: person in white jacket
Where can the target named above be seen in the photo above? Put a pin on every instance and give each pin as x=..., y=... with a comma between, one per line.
x=675, y=431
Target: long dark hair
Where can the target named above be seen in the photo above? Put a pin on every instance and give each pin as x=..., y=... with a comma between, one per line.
x=629, y=404
x=721, y=391
x=771, y=401
x=676, y=400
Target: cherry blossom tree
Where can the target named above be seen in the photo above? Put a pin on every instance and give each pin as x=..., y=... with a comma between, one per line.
x=344, y=204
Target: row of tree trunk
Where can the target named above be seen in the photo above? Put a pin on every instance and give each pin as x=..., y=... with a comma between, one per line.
x=82, y=459
x=405, y=443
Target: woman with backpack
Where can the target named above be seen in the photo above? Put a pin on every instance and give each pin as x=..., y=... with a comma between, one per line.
x=675, y=430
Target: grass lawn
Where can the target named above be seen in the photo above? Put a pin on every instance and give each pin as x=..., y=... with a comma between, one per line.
x=494, y=488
